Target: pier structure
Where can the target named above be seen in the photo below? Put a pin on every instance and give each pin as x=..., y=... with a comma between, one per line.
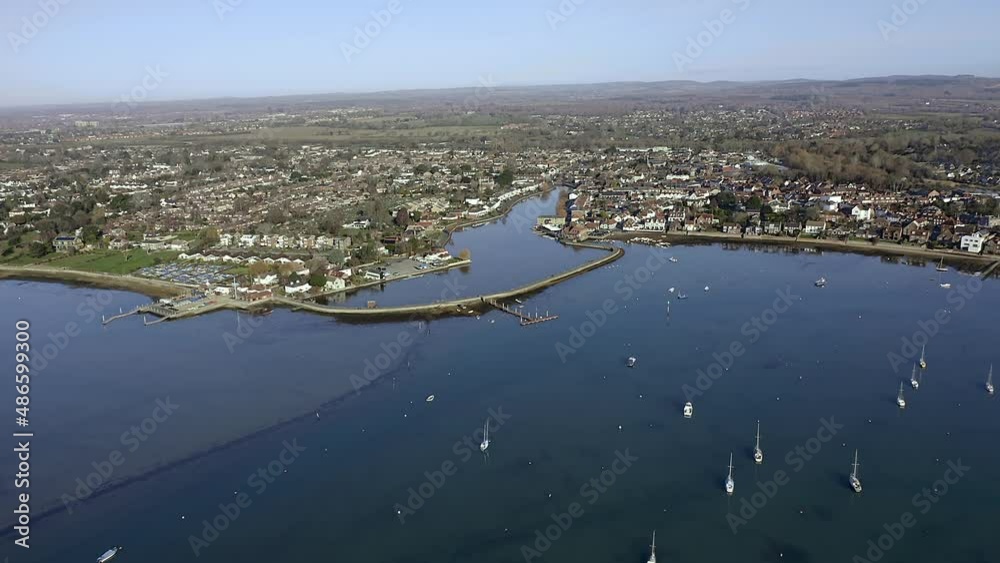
x=526, y=320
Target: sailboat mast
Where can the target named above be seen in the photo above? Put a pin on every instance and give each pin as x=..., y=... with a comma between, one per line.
x=854, y=470
x=758, y=434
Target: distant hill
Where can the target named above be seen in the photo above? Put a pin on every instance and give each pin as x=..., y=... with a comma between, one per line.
x=943, y=93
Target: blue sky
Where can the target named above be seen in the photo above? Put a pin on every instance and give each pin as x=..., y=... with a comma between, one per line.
x=100, y=50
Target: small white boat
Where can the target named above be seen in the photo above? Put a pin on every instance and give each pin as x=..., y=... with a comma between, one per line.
x=820, y=282
x=652, y=550
x=674, y=260
x=899, y=398
x=730, y=484
x=913, y=379
x=855, y=481
x=706, y=288
x=110, y=554
x=946, y=286
x=989, y=382
x=688, y=410
x=682, y=296
x=923, y=357
x=430, y=398
x=758, y=454
x=486, y=437
x=672, y=289
x=631, y=362
x=941, y=267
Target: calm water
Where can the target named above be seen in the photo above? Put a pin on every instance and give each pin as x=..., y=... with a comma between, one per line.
x=826, y=356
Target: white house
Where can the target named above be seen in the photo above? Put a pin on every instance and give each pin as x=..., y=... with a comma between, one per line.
x=973, y=243
x=335, y=284
x=861, y=214
x=297, y=289
x=268, y=280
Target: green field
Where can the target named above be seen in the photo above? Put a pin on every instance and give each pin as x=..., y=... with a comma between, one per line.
x=101, y=261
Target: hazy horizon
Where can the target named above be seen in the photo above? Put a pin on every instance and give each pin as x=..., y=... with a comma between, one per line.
x=65, y=52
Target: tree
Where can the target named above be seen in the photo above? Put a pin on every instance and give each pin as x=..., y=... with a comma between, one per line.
x=38, y=249
x=506, y=178
x=465, y=254
x=317, y=280
x=259, y=269
x=403, y=218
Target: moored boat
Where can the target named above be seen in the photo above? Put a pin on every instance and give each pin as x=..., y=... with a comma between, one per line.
x=758, y=454
x=688, y=410
x=110, y=554
x=855, y=481
x=730, y=484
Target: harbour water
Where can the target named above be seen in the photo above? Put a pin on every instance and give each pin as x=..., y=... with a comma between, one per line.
x=341, y=481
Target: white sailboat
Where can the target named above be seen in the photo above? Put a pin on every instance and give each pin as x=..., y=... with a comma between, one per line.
x=941, y=267
x=923, y=357
x=899, y=399
x=486, y=437
x=652, y=552
x=758, y=454
x=730, y=484
x=855, y=482
x=913, y=378
x=989, y=382
x=688, y=410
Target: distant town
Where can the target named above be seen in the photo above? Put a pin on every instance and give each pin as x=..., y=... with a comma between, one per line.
x=305, y=201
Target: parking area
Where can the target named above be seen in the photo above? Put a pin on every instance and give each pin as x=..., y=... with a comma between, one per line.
x=192, y=274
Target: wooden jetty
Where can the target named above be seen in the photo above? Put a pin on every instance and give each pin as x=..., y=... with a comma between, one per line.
x=160, y=311
x=526, y=320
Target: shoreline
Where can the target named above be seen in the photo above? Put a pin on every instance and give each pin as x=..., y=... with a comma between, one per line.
x=852, y=247
x=144, y=286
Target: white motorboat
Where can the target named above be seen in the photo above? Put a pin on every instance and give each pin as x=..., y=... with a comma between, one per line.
x=688, y=410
